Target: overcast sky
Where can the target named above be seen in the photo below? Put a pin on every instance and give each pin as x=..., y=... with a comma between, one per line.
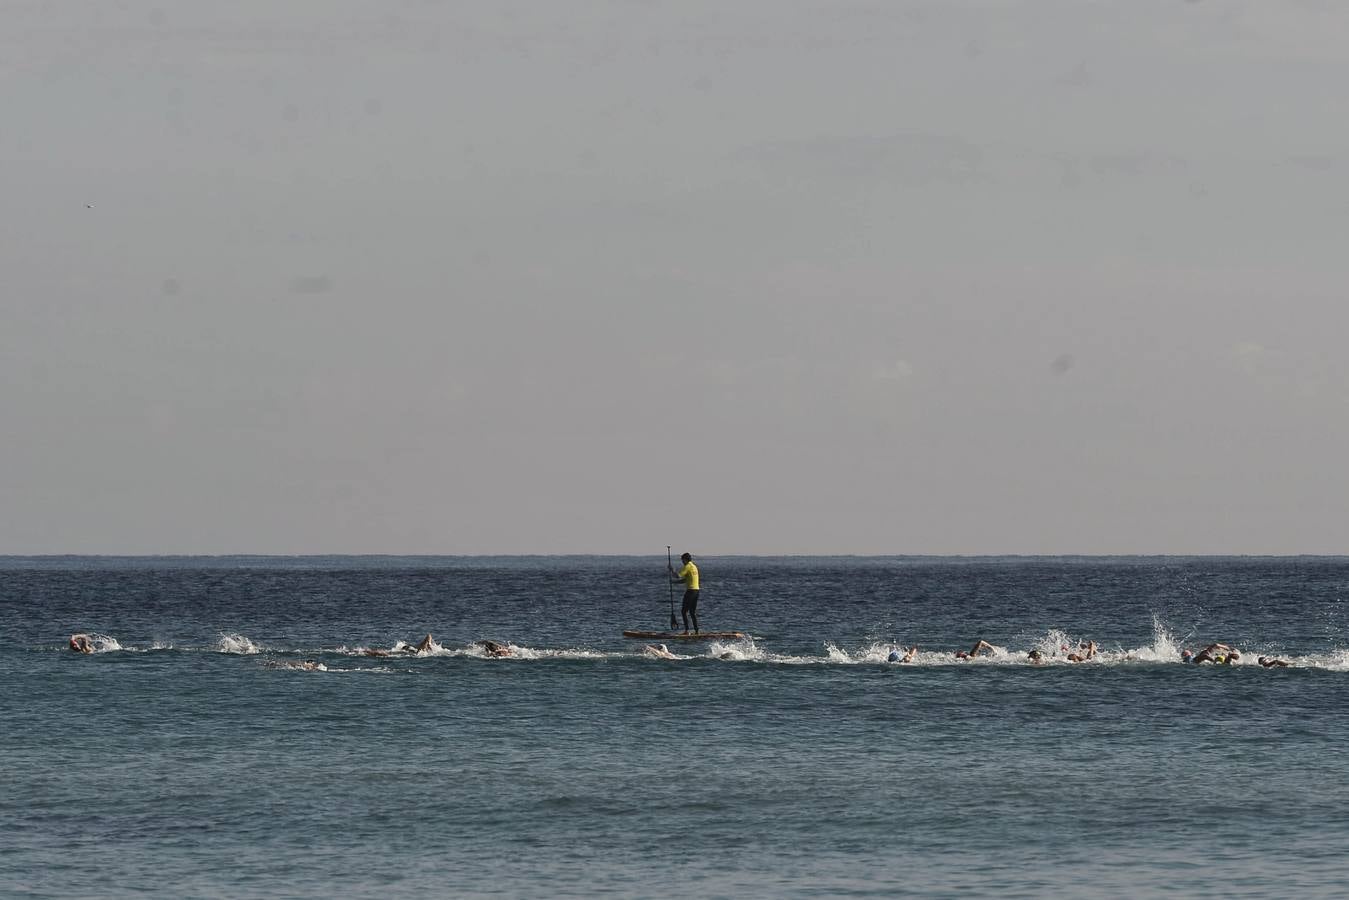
x=771, y=276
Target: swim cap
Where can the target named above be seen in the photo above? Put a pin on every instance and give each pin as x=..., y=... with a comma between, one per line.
x=1220, y=659
x=894, y=656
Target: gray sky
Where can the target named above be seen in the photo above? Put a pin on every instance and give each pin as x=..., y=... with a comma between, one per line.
x=958, y=276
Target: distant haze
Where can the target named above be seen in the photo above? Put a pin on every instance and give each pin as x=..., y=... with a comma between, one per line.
x=958, y=276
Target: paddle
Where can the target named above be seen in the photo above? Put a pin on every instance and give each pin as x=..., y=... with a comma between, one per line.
x=669, y=564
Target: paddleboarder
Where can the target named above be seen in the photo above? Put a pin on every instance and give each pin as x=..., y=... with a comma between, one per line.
x=688, y=576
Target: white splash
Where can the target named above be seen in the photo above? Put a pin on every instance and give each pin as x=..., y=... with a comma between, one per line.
x=742, y=650
x=308, y=665
x=1164, y=647
x=236, y=643
x=104, y=643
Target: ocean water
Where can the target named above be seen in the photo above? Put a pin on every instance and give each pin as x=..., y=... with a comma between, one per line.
x=193, y=755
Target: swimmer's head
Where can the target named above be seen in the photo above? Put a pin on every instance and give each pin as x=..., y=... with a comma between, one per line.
x=1186, y=655
x=894, y=656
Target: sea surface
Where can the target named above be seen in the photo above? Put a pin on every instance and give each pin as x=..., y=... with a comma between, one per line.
x=196, y=754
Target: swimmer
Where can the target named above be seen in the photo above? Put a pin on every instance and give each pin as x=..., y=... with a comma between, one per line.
x=81, y=643
x=1219, y=654
x=1036, y=658
x=974, y=651
x=308, y=665
x=1270, y=662
x=660, y=651
x=1090, y=649
x=400, y=647
x=908, y=655
x=422, y=646
x=493, y=649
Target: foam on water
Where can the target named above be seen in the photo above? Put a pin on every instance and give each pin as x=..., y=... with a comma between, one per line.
x=306, y=666
x=237, y=644
x=518, y=652
x=660, y=652
x=743, y=650
x=1335, y=661
x=104, y=643
x=1164, y=646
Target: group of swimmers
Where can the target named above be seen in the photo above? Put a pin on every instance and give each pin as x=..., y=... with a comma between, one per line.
x=1218, y=654
x=1085, y=651
x=1223, y=655
x=489, y=648
x=83, y=643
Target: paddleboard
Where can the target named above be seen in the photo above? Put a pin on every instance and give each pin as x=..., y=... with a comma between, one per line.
x=680, y=636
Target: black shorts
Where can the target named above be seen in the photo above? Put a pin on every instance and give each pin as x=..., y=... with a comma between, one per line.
x=690, y=602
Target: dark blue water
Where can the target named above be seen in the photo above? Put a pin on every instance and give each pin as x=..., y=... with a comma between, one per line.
x=193, y=756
